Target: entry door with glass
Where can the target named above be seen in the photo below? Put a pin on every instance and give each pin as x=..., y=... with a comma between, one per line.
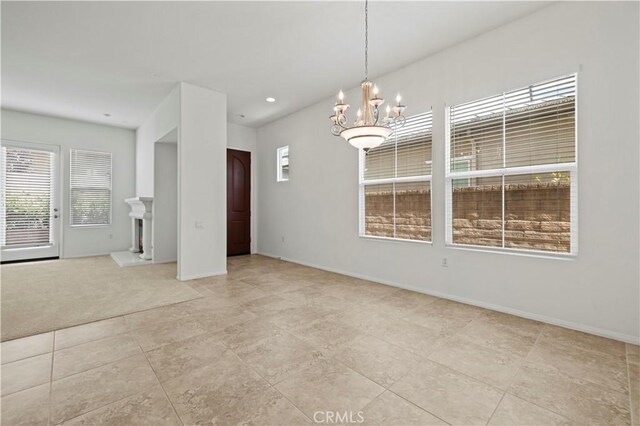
x=29, y=210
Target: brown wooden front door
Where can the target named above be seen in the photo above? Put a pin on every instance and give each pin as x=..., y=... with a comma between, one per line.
x=238, y=202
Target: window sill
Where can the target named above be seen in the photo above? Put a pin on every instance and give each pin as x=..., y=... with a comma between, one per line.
x=10, y=249
x=396, y=240
x=89, y=226
x=514, y=252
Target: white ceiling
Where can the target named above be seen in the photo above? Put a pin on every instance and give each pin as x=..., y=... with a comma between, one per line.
x=84, y=59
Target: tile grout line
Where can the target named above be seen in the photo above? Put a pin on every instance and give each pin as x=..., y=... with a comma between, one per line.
x=291, y=402
x=93, y=340
x=506, y=391
x=524, y=360
x=416, y=405
x=50, y=397
x=466, y=375
x=159, y=383
x=25, y=358
x=94, y=410
x=273, y=386
x=457, y=372
x=269, y=383
x=516, y=375
x=589, y=349
x=594, y=383
x=626, y=353
x=93, y=368
x=497, y=406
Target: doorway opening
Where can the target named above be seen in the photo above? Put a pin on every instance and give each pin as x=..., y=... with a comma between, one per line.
x=164, y=236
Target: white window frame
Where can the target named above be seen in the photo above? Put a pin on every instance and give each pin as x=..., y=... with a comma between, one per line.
x=100, y=225
x=362, y=183
x=502, y=172
x=280, y=163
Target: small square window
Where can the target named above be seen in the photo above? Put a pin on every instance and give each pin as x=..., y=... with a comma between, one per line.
x=283, y=164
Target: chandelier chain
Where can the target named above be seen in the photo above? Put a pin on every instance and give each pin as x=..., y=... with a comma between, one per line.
x=366, y=40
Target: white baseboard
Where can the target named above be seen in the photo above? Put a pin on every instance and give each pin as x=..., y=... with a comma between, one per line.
x=532, y=316
x=164, y=261
x=201, y=275
x=76, y=256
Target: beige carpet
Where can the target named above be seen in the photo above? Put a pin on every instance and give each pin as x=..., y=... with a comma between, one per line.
x=44, y=296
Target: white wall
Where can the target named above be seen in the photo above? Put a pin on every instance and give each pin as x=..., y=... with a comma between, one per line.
x=165, y=118
x=165, y=203
x=200, y=116
x=202, y=183
x=68, y=134
x=245, y=139
x=598, y=291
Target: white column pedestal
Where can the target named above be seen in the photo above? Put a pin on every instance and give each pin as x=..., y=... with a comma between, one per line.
x=134, y=236
x=146, y=237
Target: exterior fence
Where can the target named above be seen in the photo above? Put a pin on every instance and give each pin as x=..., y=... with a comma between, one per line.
x=537, y=215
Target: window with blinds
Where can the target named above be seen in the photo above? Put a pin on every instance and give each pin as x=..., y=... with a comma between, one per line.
x=395, y=183
x=25, y=193
x=90, y=188
x=511, y=169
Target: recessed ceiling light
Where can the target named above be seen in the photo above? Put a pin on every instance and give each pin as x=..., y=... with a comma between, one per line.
x=270, y=99
x=107, y=114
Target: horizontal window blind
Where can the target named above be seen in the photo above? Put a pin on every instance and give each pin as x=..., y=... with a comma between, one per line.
x=396, y=183
x=26, y=191
x=90, y=187
x=526, y=127
x=477, y=130
x=512, y=169
x=407, y=152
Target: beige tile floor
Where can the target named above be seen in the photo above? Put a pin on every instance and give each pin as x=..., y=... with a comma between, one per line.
x=276, y=343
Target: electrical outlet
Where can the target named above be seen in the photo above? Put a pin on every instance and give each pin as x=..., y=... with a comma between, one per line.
x=199, y=224
x=445, y=262
x=283, y=238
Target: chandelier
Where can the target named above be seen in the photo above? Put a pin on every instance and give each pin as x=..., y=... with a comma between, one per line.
x=369, y=130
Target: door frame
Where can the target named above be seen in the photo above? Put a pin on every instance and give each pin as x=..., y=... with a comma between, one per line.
x=54, y=251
